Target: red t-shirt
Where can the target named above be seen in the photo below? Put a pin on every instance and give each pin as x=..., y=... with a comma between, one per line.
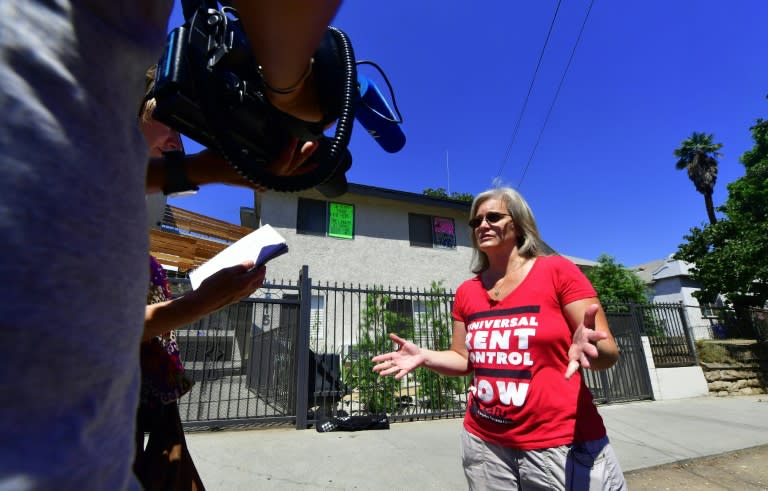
x=518, y=348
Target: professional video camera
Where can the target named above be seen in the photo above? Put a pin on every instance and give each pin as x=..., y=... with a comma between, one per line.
x=209, y=88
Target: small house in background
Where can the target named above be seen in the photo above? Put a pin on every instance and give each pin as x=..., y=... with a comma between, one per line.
x=670, y=282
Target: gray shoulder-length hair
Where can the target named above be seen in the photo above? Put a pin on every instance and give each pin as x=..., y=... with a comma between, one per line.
x=529, y=242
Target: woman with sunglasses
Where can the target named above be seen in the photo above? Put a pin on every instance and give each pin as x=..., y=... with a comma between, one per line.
x=524, y=326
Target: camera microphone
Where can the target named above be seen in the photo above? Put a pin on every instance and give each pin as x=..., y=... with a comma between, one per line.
x=377, y=117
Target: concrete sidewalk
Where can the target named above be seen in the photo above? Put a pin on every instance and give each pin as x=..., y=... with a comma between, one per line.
x=425, y=455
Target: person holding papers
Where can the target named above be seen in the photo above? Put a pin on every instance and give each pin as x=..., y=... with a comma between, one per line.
x=165, y=461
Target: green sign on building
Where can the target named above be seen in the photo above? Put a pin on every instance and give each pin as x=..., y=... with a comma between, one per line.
x=341, y=222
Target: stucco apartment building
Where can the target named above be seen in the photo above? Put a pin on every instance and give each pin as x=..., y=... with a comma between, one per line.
x=369, y=236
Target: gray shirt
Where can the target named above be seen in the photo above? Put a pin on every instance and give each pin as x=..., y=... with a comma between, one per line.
x=73, y=239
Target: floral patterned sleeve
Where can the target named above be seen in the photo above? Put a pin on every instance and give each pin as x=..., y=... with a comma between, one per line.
x=159, y=289
x=162, y=373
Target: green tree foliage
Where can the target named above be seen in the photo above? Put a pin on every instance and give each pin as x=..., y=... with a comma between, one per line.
x=730, y=256
x=442, y=193
x=377, y=394
x=698, y=154
x=615, y=283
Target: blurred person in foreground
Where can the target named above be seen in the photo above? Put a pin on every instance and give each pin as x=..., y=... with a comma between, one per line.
x=524, y=327
x=73, y=220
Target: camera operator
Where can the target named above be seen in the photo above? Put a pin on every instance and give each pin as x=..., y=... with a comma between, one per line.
x=74, y=247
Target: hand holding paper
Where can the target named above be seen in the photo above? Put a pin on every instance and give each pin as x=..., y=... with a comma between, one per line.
x=261, y=245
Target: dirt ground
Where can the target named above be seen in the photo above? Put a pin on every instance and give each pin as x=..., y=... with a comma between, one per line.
x=741, y=470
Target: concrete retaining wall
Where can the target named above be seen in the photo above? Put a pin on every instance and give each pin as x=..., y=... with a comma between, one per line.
x=744, y=372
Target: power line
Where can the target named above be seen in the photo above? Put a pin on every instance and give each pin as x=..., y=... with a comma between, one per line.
x=557, y=92
x=530, y=88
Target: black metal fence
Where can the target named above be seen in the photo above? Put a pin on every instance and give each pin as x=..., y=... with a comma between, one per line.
x=300, y=351
x=243, y=361
x=728, y=323
x=667, y=329
x=759, y=322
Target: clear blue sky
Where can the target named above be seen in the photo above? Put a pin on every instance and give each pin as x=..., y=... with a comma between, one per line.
x=602, y=180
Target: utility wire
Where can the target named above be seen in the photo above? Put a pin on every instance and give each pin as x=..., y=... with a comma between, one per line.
x=528, y=95
x=557, y=92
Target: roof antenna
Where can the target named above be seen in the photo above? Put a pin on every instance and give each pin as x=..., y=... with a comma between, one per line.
x=448, y=172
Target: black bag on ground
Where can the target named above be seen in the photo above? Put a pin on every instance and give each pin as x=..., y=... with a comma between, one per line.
x=353, y=423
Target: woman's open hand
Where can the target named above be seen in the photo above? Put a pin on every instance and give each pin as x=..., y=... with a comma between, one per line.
x=584, y=338
x=399, y=362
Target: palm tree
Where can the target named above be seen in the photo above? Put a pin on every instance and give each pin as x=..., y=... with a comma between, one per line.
x=699, y=155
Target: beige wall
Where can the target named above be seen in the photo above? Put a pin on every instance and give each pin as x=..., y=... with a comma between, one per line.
x=379, y=254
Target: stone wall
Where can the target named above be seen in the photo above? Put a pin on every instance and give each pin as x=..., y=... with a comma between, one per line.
x=740, y=369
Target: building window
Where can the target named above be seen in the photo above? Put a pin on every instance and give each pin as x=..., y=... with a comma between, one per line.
x=317, y=319
x=311, y=217
x=323, y=218
x=430, y=231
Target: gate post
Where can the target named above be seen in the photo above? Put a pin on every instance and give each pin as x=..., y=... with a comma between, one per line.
x=638, y=330
x=688, y=334
x=302, y=348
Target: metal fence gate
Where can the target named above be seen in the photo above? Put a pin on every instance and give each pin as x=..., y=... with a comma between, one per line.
x=628, y=379
x=301, y=351
x=668, y=333
x=243, y=361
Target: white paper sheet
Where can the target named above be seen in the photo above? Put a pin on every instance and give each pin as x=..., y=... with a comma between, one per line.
x=261, y=245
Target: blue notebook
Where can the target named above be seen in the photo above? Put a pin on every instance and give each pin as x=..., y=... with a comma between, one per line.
x=270, y=252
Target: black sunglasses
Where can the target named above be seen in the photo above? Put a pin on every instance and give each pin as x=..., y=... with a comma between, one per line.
x=492, y=218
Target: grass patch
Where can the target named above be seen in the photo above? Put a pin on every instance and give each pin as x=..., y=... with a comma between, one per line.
x=710, y=352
